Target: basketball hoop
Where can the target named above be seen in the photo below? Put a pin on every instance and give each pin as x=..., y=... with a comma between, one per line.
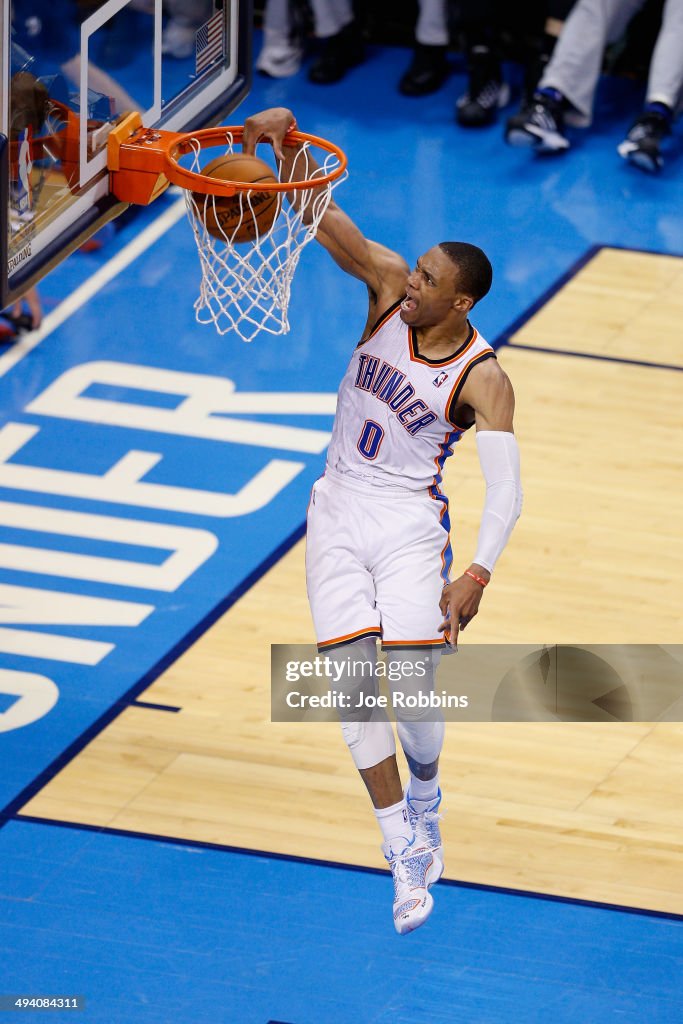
x=245, y=285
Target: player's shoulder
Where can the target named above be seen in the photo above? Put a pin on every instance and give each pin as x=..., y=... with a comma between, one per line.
x=488, y=375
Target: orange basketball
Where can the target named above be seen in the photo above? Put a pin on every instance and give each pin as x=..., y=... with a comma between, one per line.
x=242, y=216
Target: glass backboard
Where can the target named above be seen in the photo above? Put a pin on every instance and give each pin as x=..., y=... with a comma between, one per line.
x=69, y=69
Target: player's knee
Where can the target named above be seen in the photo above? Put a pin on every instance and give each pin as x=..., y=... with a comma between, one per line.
x=369, y=742
x=422, y=741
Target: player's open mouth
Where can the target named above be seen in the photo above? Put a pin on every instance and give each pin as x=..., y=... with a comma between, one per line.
x=409, y=305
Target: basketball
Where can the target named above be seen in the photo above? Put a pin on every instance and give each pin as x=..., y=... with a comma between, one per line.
x=247, y=214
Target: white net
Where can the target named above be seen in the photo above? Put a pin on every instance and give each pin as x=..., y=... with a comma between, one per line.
x=246, y=285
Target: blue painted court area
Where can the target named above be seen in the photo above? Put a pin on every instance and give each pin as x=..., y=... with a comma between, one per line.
x=161, y=933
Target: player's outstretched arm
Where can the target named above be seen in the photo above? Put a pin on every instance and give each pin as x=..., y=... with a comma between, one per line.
x=489, y=393
x=383, y=271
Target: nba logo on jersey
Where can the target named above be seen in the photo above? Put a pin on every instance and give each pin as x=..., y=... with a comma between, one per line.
x=440, y=379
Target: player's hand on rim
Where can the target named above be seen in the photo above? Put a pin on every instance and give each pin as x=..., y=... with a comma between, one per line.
x=460, y=603
x=268, y=126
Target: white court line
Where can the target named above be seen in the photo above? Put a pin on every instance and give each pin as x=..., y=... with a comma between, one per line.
x=93, y=285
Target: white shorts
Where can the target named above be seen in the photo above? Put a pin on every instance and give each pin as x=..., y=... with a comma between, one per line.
x=376, y=563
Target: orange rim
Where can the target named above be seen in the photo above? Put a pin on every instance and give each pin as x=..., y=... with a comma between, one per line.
x=197, y=182
x=135, y=152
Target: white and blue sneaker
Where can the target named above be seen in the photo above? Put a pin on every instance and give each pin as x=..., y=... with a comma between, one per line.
x=540, y=125
x=641, y=147
x=413, y=902
x=424, y=820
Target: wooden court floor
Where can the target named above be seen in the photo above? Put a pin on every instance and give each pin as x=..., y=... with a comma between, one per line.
x=589, y=810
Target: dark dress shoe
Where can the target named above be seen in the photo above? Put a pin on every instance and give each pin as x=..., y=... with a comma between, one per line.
x=340, y=53
x=427, y=72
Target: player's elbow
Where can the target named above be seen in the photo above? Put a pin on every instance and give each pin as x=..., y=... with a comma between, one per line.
x=520, y=501
x=505, y=497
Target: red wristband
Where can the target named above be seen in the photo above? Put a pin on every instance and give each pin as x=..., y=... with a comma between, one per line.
x=477, y=579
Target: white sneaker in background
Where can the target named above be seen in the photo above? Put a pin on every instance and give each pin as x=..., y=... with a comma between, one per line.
x=279, y=59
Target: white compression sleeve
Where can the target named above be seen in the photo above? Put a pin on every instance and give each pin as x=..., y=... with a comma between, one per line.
x=499, y=459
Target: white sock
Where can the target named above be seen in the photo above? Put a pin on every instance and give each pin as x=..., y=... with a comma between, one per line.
x=395, y=825
x=423, y=793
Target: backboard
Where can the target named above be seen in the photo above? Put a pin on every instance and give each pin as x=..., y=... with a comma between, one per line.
x=69, y=69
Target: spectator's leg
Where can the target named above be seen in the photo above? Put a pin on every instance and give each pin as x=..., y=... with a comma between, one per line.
x=553, y=15
x=556, y=13
x=35, y=307
x=576, y=63
x=572, y=74
x=429, y=68
x=281, y=54
x=342, y=41
x=21, y=321
x=665, y=82
x=331, y=16
x=642, y=145
x=432, y=26
x=486, y=91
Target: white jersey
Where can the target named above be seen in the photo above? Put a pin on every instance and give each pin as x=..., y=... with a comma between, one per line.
x=395, y=422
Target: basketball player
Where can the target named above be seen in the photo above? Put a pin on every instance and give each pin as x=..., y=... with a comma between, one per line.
x=378, y=554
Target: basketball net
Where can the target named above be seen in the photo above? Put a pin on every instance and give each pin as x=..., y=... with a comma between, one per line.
x=246, y=286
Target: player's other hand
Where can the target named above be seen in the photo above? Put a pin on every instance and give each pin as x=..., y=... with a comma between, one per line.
x=268, y=126
x=460, y=603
